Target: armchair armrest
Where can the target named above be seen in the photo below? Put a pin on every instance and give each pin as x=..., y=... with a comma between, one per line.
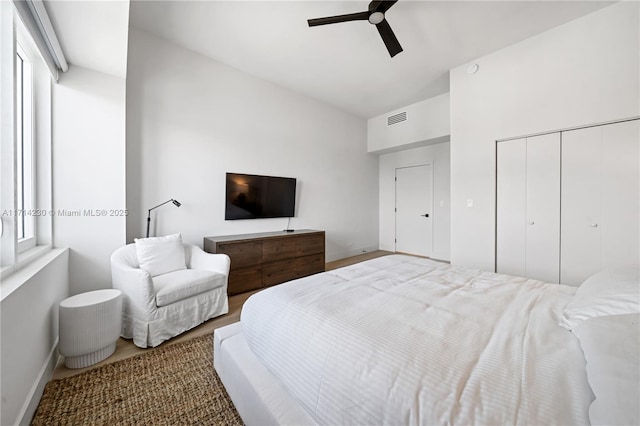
x=208, y=261
x=135, y=284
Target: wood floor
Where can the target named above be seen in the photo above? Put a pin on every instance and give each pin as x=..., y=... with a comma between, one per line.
x=126, y=348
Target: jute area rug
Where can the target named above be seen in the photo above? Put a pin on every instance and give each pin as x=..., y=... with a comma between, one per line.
x=172, y=385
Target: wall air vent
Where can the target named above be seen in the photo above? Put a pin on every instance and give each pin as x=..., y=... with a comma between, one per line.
x=397, y=118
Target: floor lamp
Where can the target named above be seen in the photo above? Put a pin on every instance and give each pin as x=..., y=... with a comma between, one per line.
x=175, y=202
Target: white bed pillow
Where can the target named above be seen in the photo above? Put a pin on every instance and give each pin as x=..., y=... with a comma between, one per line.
x=611, y=346
x=609, y=292
x=160, y=255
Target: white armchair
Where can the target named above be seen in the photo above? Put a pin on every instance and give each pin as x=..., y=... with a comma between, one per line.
x=158, y=308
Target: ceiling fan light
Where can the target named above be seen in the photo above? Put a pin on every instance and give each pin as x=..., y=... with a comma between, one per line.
x=376, y=17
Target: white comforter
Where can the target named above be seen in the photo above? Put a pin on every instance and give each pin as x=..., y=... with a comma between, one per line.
x=401, y=340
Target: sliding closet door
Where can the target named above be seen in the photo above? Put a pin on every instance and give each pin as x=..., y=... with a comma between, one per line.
x=528, y=207
x=621, y=193
x=511, y=207
x=543, y=208
x=600, y=197
x=581, y=203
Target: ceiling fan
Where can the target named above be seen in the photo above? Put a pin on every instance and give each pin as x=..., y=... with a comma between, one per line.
x=375, y=16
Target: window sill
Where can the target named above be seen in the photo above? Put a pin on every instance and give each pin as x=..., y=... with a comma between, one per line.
x=30, y=255
x=29, y=264
x=24, y=259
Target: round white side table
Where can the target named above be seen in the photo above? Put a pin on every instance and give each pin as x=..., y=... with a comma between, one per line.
x=89, y=327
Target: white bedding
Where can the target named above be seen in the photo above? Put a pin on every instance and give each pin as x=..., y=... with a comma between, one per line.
x=403, y=340
x=611, y=346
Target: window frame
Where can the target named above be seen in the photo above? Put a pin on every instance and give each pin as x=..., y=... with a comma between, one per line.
x=25, y=152
x=17, y=45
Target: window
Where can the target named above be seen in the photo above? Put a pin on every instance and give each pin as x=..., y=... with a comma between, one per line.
x=25, y=181
x=25, y=172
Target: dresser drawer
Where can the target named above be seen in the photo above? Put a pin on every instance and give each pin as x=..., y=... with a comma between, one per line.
x=279, y=272
x=309, y=265
x=310, y=245
x=277, y=249
x=244, y=279
x=242, y=254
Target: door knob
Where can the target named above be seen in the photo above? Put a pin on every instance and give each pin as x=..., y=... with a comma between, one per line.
x=425, y=215
x=532, y=223
x=594, y=225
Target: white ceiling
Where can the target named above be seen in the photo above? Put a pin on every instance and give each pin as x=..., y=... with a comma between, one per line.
x=346, y=64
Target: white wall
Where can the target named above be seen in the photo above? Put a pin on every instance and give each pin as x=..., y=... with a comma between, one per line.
x=583, y=72
x=89, y=173
x=438, y=156
x=29, y=322
x=427, y=123
x=191, y=119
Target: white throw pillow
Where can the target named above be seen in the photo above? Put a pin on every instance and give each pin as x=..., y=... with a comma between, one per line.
x=611, y=347
x=609, y=292
x=160, y=255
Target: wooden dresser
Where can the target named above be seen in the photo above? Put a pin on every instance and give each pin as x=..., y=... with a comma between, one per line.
x=269, y=258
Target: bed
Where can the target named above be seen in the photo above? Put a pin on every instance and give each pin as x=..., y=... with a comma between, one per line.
x=407, y=340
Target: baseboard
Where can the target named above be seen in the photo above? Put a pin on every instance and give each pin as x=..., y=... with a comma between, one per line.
x=363, y=250
x=33, y=399
x=343, y=254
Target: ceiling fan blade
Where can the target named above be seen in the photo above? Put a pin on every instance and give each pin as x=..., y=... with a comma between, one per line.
x=381, y=5
x=360, y=16
x=389, y=38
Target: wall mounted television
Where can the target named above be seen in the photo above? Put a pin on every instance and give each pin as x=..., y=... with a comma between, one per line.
x=259, y=197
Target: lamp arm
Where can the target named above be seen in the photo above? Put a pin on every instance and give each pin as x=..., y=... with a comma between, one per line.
x=160, y=205
x=149, y=214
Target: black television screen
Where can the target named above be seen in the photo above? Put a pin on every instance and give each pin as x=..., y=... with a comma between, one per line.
x=256, y=197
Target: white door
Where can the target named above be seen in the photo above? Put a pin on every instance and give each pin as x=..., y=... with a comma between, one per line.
x=511, y=207
x=414, y=214
x=543, y=208
x=600, y=199
x=528, y=207
x=581, y=191
x=621, y=192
